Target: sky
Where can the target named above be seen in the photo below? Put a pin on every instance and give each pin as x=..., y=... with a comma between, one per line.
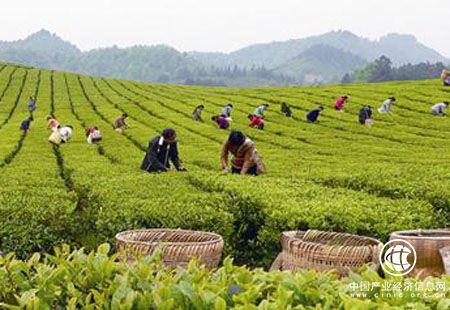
x=226, y=25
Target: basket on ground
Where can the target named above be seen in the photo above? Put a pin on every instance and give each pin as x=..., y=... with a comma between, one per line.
x=178, y=247
x=427, y=244
x=323, y=251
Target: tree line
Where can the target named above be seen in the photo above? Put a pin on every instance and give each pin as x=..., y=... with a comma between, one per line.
x=382, y=70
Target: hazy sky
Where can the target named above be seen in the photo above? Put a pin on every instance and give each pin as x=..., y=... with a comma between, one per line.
x=226, y=25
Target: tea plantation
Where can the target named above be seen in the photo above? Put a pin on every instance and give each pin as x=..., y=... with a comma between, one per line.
x=335, y=175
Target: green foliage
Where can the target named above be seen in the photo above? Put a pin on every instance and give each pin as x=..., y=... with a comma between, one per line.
x=73, y=279
x=382, y=70
x=335, y=175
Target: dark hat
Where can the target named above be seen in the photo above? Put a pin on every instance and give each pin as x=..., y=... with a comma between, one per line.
x=168, y=133
x=236, y=138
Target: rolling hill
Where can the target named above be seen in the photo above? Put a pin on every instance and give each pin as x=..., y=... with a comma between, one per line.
x=271, y=64
x=401, y=49
x=320, y=64
x=336, y=175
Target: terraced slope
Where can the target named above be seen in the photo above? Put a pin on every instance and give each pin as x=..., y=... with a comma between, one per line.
x=335, y=175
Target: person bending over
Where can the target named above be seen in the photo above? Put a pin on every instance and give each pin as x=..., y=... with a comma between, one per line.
x=313, y=115
x=161, y=150
x=246, y=159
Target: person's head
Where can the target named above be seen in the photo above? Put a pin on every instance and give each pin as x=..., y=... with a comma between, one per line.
x=95, y=127
x=214, y=118
x=321, y=107
x=250, y=116
x=230, y=105
x=446, y=103
x=169, y=135
x=236, y=138
x=344, y=97
x=30, y=119
x=124, y=115
x=283, y=104
x=266, y=105
x=201, y=107
x=392, y=98
x=70, y=126
x=31, y=98
x=49, y=117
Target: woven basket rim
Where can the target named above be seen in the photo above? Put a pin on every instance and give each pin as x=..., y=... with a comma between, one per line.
x=377, y=243
x=121, y=237
x=409, y=234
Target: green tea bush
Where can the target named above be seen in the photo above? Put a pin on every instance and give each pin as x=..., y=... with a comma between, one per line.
x=335, y=175
x=74, y=279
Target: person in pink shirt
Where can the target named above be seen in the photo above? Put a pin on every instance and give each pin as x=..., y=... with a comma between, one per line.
x=339, y=104
x=256, y=121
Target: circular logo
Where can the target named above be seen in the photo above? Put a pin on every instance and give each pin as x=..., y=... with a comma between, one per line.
x=399, y=257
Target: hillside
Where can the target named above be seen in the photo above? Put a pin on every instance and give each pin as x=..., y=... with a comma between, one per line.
x=401, y=49
x=321, y=64
x=291, y=62
x=336, y=175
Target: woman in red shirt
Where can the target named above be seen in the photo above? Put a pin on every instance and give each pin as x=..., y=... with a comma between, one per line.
x=339, y=104
x=256, y=121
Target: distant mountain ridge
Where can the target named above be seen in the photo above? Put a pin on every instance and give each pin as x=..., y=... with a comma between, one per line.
x=311, y=64
x=401, y=49
x=317, y=59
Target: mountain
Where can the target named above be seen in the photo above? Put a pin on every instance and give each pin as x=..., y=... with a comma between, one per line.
x=401, y=49
x=320, y=63
x=41, y=49
x=322, y=58
x=159, y=63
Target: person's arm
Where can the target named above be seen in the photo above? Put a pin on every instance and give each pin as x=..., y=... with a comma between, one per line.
x=152, y=155
x=248, y=163
x=224, y=156
x=174, y=157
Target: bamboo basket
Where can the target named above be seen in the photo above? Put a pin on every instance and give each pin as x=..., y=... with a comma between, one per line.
x=324, y=251
x=178, y=247
x=445, y=253
x=427, y=244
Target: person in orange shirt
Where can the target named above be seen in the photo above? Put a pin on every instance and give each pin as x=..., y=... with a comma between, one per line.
x=246, y=159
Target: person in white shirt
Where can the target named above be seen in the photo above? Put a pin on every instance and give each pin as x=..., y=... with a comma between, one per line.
x=226, y=111
x=387, y=105
x=439, y=108
x=66, y=133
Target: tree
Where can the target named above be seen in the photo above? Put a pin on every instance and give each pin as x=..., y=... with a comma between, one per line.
x=347, y=78
x=382, y=71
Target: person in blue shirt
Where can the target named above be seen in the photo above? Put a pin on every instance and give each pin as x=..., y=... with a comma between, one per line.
x=313, y=115
x=25, y=126
x=31, y=105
